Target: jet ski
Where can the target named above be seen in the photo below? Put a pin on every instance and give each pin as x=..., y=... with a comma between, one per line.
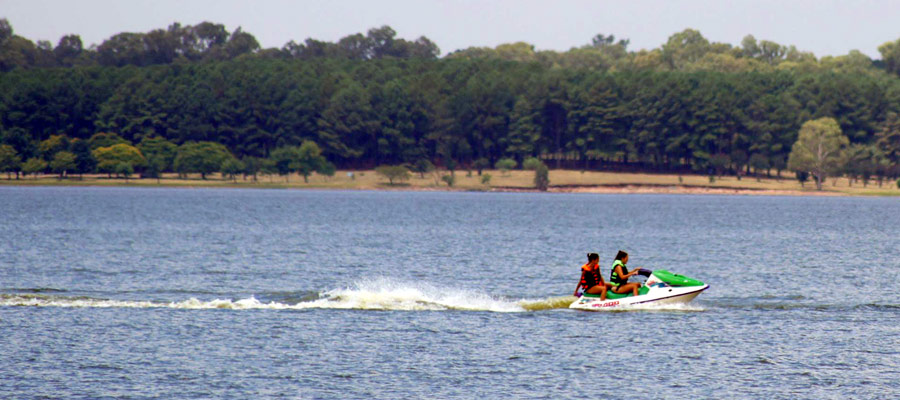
x=661, y=287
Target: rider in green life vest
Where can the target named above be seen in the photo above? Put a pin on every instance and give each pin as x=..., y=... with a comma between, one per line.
x=619, y=275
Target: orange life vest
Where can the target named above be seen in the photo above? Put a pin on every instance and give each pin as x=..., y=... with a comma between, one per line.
x=590, y=277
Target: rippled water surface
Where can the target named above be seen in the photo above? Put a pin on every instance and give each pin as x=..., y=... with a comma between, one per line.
x=202, y=293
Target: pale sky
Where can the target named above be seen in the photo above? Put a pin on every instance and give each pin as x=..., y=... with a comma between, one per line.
x=825, y=27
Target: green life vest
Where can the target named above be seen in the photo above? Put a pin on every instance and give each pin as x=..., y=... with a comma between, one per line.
x=614, y=277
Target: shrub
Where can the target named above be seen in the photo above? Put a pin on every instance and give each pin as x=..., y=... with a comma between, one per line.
x=802, y=176
x=542, y=177
x=486, y=179
x=449, y=180
x=505, y=164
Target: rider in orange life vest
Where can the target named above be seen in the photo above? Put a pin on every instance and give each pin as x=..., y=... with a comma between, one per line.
x=619, y=275
x=591, y=279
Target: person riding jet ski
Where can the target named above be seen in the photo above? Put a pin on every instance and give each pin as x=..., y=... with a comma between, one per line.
x=619, y=275
x=591, y=280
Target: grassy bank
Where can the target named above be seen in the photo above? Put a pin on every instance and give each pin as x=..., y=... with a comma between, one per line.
x=560, y=180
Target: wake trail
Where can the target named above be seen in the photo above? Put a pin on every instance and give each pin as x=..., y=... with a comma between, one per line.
x=378, y=294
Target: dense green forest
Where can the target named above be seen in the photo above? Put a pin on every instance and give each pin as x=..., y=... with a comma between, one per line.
x=376, y=99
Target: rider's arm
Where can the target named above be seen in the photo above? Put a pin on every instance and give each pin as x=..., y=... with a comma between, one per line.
x=579, y=285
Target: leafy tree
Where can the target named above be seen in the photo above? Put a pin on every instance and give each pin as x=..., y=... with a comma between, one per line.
x=240, y=43
x=232, y=167
x=685, y=48
x=719, y=162
x=268, y=167
x=305, y=159
x=393, y=172
x=857, y=163
x=68, y=50
x=285, y=160
x=525, y=130
x=155, y=167
x=33, y=166
x=480, y=164
x=739, y=158
x=252, y=167
x=109, y=158
x=780, y=164
x=125, y=169
x=451, y=165
x=890, y=55
x=63, y=162
x=595, y=121
x=759, y=162
x=327, y=169
x=817, y=148
x=84, y=158
x=54, y=144
x=347, y=126
x=888, y=137
x=10, y=161
x=105, y=139
x=542, y=177
x=200, y=157
x=422, y=167
x=310, y=160
x=159, y=149
x=6, y=30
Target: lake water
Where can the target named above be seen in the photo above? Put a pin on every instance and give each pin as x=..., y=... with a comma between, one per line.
x=228, y=293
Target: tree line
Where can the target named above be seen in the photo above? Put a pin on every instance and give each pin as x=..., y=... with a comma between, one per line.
x=374, y=99
x=111, y=154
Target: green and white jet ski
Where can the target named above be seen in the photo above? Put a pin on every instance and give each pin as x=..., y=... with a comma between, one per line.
x=661, y=287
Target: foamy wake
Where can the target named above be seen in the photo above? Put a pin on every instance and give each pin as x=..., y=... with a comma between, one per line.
x=379, y=294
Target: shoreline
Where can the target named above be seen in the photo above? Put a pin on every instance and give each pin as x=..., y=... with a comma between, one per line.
x=690, y=190
x=510, y=182
x=598, y=189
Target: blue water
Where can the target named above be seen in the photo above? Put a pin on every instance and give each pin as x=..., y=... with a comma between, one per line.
x=226, y=293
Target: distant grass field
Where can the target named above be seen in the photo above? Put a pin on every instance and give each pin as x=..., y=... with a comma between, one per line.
x=560, y=180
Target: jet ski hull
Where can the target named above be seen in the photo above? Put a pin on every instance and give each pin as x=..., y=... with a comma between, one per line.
x=656, y=291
